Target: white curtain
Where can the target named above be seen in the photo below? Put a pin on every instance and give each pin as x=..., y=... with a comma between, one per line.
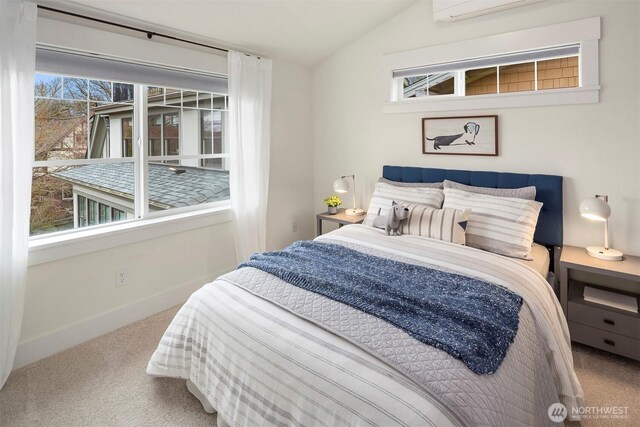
x=249, y=134
x=17, y=63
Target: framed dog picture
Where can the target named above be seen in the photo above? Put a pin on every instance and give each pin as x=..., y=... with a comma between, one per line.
x=471, y=136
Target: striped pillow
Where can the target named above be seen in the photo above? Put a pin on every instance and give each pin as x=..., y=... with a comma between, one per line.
x=528, y=193
x=503, y=225
x=442, y=224
x=385, y=194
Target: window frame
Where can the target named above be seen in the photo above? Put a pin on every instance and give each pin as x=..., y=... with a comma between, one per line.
x=584, y=32
x=142, y=217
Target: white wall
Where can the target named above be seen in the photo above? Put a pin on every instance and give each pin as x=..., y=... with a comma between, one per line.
x=595, y=147
x=290, y=176
x=75, y=298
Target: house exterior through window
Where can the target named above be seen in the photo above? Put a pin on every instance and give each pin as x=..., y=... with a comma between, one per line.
x=553, y=68
x=127, y=137
x=84, y=145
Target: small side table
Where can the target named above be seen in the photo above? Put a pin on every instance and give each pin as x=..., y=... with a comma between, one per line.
x=597, y=325
x=341, y=218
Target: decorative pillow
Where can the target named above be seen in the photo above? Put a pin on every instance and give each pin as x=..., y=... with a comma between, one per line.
x=411, y=184
x=442, y=224
x=503, y=225
x=385, y=194
x=527, y=193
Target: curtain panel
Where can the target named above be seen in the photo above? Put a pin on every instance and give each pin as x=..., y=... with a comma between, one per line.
x=249, y=139
x=17, y=63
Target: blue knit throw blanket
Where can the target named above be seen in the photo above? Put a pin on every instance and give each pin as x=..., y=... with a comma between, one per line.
x=472, y=320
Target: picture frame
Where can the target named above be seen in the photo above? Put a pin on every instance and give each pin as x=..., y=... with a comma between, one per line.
x=462, y=136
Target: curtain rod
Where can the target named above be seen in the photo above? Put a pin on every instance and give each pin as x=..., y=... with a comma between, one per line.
x=149, y=34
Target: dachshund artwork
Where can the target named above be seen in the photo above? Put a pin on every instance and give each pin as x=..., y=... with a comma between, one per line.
x=441, y=132
x=471, y=129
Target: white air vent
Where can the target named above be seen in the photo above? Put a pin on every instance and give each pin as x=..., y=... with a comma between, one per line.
x=455, y=10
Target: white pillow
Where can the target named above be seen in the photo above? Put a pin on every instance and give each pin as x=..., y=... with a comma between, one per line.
x=412, y=184
x=385, y=194
x=442, y=224
x=503, y=225
x=528, y=193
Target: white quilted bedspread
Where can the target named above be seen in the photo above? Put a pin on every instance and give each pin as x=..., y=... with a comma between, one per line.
x=258, y=363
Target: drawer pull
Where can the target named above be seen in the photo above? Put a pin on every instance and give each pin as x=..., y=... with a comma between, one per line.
x=609, y=342
x=609, y=322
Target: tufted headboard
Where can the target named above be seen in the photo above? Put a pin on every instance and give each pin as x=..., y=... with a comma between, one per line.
x=548, y=191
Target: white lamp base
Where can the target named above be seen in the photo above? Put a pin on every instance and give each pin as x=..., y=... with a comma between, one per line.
x=354, y=212
x=605, y=254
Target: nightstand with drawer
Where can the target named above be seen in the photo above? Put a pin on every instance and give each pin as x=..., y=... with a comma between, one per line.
x=598, y=325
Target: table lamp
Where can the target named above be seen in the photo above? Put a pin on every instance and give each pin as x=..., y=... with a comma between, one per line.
x=341, y=185
x=597, y=209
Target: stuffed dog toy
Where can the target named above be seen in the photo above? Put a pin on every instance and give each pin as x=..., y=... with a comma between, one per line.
x=471, y=129
x=391, y=223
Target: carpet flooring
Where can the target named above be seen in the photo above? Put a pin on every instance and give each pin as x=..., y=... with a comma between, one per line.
x=103, y=383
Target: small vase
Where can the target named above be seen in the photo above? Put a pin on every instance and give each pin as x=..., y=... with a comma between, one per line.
x=332, y=210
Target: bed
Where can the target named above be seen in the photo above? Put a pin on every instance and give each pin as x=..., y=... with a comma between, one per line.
x=261, y=352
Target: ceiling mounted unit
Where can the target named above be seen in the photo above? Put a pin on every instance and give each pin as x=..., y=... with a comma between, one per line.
x=455, y=10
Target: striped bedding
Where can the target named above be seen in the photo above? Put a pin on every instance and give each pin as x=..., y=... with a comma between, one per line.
x=257, y=363
x=502, y=225
x=385, y=194
x=441, y=224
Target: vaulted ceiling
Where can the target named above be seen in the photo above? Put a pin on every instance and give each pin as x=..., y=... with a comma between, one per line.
x=302, y=31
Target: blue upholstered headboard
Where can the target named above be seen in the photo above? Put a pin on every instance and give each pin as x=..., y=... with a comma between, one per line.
x=548, y=191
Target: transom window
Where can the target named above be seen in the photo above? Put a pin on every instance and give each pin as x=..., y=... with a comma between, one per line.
x=529, y=71
x=90, y=142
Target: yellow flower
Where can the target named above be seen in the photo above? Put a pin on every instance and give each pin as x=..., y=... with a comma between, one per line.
x=333, y=201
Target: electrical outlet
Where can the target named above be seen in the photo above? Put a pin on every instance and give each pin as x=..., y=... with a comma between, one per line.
x=294, y=225
x=122, y=278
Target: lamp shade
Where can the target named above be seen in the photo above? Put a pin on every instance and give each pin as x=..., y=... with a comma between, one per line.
x=341, y=185
x=595, y=208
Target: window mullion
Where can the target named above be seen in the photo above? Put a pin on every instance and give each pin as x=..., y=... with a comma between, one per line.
x=461, y=84
x=140, y=130
x=163, y=148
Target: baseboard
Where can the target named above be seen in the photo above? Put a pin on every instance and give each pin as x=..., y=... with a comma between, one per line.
x=62, y=339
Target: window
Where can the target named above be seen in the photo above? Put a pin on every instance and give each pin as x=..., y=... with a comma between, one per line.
x=155, y=135
x=82, y=211
x=551, y=65
x=69, y=130
x=517, y=77
x=555, y=68
x=164, y=134
x=481, y=81
x=85, y=128
x=93, y=212
x=127, y=137
x=211, y=134
x=117, y=215
x=429, y=85
x=105, y=214
x=172, y=134
x=559, y=73
x=93, y=218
